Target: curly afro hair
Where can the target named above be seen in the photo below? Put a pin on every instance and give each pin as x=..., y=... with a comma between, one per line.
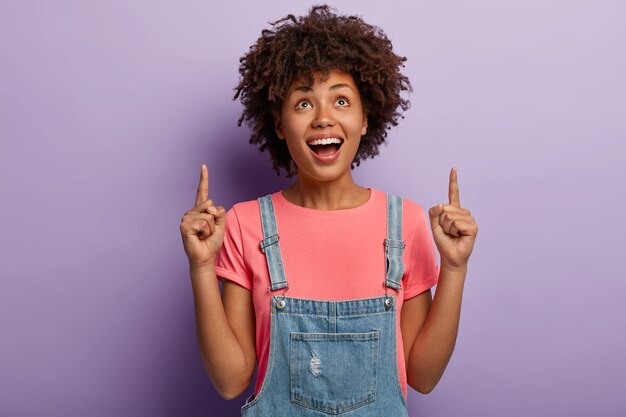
x=298, y=47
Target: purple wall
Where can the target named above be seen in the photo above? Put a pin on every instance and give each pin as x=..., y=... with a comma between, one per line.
x=107, y=110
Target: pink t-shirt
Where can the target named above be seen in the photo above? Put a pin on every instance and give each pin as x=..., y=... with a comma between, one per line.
x=327, y=255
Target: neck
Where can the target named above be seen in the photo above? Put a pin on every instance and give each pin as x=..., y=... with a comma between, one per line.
x=340, y=194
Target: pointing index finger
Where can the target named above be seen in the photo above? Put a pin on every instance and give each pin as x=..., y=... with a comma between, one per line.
x=453, y=189
x=202, y=194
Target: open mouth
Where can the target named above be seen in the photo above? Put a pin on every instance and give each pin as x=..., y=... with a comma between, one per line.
x=325, y=147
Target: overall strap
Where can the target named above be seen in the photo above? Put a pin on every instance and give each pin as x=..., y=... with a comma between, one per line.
x=394, y=246
x=270, y=246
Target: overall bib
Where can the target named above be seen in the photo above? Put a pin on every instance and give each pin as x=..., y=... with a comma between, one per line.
x=331, y=357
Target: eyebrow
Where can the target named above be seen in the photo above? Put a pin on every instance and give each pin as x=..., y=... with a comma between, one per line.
x=306, y=88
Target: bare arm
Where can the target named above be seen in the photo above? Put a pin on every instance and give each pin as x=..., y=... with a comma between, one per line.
x=430, y=328
x=226, y=331
x=224, y=323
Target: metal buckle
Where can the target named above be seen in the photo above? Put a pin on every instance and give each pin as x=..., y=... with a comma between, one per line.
x=269, y=241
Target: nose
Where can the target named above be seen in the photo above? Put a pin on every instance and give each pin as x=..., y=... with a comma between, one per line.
x=323, y=118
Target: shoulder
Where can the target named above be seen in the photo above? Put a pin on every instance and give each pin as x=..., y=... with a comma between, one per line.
x=244, y=208
x=245, y=217
x=250, y=207
x=415, y=222
x=415, y=215
x=411, y=210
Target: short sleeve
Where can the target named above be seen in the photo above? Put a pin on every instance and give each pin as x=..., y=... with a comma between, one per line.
x=230, y=260
x=423, y=271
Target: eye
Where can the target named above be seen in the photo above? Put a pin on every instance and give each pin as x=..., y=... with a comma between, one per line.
x=342, y=102
x=303, y=105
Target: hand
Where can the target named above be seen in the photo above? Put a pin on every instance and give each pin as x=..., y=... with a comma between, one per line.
x=203, y=226
x=454, y=228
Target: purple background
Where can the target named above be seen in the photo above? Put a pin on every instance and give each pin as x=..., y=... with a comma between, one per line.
x=107, y=110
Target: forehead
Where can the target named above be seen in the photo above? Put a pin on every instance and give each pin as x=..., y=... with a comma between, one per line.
x=335, y=77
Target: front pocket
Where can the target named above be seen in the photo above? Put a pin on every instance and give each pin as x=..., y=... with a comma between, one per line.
x=333, y=372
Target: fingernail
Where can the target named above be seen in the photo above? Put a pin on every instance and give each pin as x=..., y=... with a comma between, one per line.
x=212, y=210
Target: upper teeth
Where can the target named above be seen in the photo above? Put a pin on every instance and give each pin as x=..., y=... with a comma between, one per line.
x=325, y=141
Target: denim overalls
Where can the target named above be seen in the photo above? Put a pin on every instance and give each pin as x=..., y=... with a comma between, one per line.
x=331, y=357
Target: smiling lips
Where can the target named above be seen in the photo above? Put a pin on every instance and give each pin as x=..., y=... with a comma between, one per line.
x=325, y=148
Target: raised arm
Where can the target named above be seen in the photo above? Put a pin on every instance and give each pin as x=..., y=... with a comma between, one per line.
x=430, y=326
x=224, y=323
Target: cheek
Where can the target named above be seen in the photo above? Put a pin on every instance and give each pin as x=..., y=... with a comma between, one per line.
x=293, y=124
x=355, y=126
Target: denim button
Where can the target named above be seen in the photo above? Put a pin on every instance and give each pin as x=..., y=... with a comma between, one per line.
x=388, y=303
x=280, y=304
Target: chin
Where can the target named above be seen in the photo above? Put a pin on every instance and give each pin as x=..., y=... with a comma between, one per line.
x=328, y=175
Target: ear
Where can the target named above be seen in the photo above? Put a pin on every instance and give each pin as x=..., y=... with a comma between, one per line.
x=278, y=127
x=364, y=128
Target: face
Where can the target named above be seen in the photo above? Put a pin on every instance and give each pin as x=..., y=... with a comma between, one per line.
x=323, y=124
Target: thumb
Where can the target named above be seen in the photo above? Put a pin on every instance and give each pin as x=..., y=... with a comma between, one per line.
x=220, y=217
x=434, y=213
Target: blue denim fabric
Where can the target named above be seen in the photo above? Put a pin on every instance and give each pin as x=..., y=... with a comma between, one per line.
x=394, y=246
x=270, y=246
x=331, y=357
